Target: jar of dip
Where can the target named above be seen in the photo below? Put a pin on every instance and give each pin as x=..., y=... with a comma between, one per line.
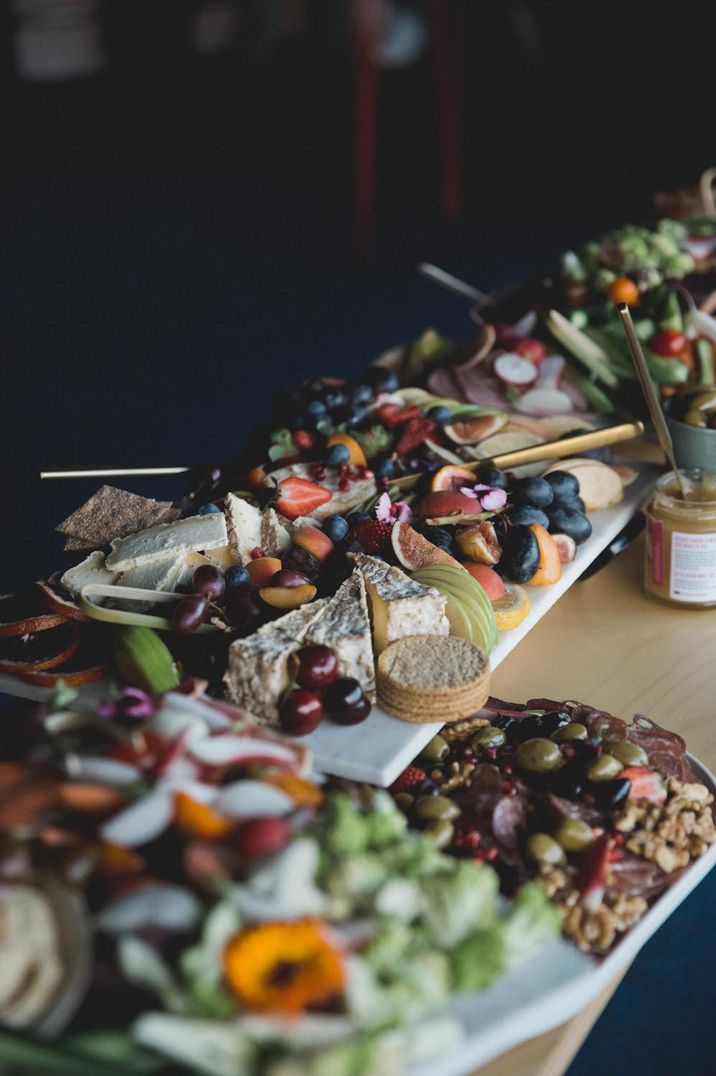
x=681, y=540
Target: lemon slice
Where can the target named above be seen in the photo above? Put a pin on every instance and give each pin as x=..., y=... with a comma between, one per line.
x=512, y=608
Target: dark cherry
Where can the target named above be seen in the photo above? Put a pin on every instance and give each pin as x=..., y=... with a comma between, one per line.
x=301, y=712
x=243, y=607
x=208, y=581
x=189, y=614
x=345, y=702
x=318, y=667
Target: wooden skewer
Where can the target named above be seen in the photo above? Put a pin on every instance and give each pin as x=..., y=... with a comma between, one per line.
x=114, y=472
x=453, y=283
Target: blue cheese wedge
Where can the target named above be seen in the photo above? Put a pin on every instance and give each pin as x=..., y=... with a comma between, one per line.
x=249, y=529
x=399, y=606
x=257, y=673
x=359, y=489
x=344, y=625
x=191, y=535
x=91, y=570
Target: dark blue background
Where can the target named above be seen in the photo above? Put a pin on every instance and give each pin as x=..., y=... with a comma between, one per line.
x=176, y=244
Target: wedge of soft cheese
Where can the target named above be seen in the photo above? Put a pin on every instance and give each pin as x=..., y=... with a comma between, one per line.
x=158, y=575
x=249, y=529
x=258, y=668
x=188, y=565
x=342, y=500
x=191, y=535
x=344, y=625
x=91, y=570
x=398, y=605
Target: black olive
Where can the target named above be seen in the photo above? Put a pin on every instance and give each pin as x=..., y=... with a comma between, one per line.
x=502, y=721
x=540, y=725
x=609, y=794
x=563, y=520
x=520, y=554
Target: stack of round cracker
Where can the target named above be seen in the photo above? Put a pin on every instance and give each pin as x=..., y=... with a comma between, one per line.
x=425, y=678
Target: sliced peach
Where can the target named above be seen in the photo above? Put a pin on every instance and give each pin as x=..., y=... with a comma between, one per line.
x=550, y=564
x=488, y=579
x=357, y=455
x=262, y=570
x=288, y=597
x=451, y=477
x=199, y=819
x=114, y=859
x=448, y=503
x=313, y=541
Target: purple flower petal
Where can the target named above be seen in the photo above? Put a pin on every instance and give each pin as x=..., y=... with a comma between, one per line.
x=468, y=492
x=494, y=500
x=384, y=509
x=403, y=512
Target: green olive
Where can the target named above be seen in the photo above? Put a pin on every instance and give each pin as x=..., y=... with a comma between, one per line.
x=573, y=731
x=704, y=401
x=404, y=800
x=544, y=849
x=630, y=754
x=538, y=755
x=488, y=737
x=604, y=768
x=695, y=418
x=433, y=808
x=440, y=832
x=574, y=835
x=435, y=751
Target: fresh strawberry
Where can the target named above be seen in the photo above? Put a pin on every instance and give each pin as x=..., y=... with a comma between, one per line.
x=408, y=779
x=645, y=784
x=373, y=535
x=393, y=415
x=304, y=440
x=299, y=497
x=416, y=431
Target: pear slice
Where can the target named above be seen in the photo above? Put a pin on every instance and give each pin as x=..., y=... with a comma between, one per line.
x=483, y=621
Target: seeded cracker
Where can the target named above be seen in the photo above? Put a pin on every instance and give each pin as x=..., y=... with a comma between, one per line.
x=113, y=513
x=432, y=678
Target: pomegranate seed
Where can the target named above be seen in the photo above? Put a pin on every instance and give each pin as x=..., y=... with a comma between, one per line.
x=491, y=854
x=344, y=485
x=619, y=839
x=257, y=552
x=491, y=753
x=363, y=472
x=344, y=470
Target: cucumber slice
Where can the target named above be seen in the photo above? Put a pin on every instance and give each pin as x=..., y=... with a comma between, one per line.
x=595, y=395
x=125, y=616
x=705, y=359
x=582, y=347
x=666, y=371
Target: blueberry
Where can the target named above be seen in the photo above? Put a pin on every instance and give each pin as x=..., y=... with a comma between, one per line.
x=440, y=414
x=536, y=492
x=298, y=422
x=383, y=467
x=208, y=509
x=361, y=394
x=438, y=536
x=336, y=527
x=563, y=520
x=564, y=485
x=353, y=546
x=333, y=397
x=316, y=409
x=338, y=455
x=381, y=379
x=490, y=476
x=355, y=517
x=236, y=576
x=526, y=515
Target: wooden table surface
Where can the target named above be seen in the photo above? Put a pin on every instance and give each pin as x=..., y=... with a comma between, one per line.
x=606, y=643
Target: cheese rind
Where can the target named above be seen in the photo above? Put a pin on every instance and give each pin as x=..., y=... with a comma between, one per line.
x=257, y=673
x=359, y=489
x=344, y=625
x=249, y=528
x=399, y=606
x=91, y=570
x=189, y=535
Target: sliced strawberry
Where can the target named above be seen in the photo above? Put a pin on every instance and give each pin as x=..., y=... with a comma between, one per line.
x=393, y=415
x=299, y=497
x=416, y=431
x=645, y=784
x=408, y=779
x=373, y=535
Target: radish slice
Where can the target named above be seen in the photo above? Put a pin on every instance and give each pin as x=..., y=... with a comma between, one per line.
x=170, y=907
x=543, y=402
x=526, y=324
x=514, y=370
x=251, y=799
x=107, y=771
x=141, y=822
x=232, y=750
x=550, y=372
x=180, y=707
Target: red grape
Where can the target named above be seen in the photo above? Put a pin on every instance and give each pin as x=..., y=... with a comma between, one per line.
x=189, y=614
x=301, y=712
x=318, y=668
x=209, y=582
x=345, y=702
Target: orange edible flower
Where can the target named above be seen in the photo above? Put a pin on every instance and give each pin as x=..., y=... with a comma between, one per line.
x=284, y=967
x=198, y=819
x=302, y=792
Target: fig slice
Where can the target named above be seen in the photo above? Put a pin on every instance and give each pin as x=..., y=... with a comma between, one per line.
x=35, y=654
x=473, y=430
x=26, y=614
x=414, y=551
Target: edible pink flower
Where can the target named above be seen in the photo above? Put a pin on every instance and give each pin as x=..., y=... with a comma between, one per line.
x=491, y=498
x=388, y=512
x=132, y=702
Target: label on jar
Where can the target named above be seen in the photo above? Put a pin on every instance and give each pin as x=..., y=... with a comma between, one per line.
x=693, y=567
x=655, y=548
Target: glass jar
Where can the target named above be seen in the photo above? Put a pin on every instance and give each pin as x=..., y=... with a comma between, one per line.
x=681, y=541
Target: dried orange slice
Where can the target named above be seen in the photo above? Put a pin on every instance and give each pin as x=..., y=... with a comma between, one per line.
x=451, y=477
x=550, y=564
x=512, y=608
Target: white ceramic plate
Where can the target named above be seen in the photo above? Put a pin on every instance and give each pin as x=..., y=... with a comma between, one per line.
x=382, y=746
x=555, y=984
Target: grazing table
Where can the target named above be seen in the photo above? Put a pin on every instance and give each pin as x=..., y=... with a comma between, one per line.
x=606, y=643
